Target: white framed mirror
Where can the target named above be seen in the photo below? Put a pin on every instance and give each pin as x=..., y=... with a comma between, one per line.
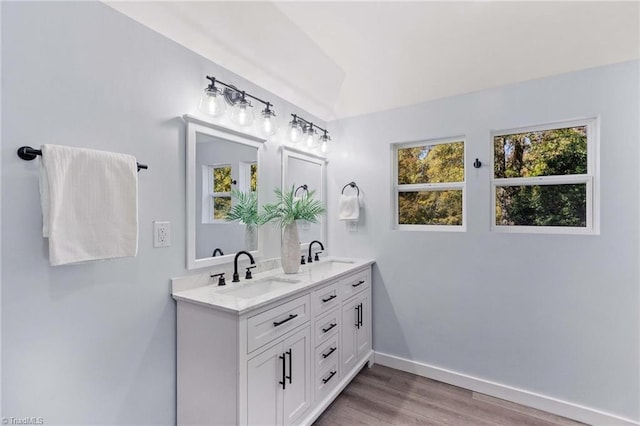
x=302, y=169
x=218, y=161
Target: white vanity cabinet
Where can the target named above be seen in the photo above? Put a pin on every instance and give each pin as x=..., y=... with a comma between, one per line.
x=287, y=364
x=356, y=330
x=279, y=362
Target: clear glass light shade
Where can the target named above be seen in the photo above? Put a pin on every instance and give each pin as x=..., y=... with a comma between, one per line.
x=309, y=138
x=295, y=131
x=267, y=124
x=242, y=114
x=324, y=143
x=212, y=103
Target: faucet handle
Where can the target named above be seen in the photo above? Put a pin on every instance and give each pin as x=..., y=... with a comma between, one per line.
x=317, y=258
x=302, y=262
x=221, y=280
x=247, y=275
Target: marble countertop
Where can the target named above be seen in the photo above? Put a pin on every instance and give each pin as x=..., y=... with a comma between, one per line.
x=284, y=285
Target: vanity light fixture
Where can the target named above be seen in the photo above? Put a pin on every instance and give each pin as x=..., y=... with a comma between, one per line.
x=212, y=103
x=299, y=128
x=241, y=114
x=295, y=129
x=309, y=136
x=324, y=142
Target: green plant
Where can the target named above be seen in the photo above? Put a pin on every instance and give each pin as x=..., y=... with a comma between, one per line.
x=289, y=208
x=245, y=209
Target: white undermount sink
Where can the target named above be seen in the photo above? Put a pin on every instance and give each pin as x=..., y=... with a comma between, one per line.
x=249, y=290
x=331, y=264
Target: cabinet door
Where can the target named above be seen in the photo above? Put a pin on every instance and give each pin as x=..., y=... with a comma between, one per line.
x=349, y=329
x=363, y=333
x=265, y=371
x=297, y=395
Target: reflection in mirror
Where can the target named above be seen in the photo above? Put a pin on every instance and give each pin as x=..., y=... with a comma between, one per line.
x=222, y=193
x=299, y=169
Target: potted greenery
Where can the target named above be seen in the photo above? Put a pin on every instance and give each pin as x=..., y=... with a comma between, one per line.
x=245, y=210
x=285, y=212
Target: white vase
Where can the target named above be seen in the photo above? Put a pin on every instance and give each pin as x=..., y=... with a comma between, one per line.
x=251, y=237
x=290, y=249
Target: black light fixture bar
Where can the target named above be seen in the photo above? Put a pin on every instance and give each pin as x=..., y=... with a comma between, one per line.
x=241, y=92
x=308, y=123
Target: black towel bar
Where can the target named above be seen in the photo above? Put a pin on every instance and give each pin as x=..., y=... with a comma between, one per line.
x=27, y=153
x=353, y=185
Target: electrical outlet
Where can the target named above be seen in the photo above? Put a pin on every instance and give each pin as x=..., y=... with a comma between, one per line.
x=161, y=234
x=352, y=225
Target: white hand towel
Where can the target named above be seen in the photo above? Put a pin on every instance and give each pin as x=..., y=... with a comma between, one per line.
x=349, y=208
x=89, y=204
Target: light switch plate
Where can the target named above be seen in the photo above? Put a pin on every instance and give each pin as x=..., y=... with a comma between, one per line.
x=161, y=234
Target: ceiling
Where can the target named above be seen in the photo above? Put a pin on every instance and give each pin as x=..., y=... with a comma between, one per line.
x=342, y=59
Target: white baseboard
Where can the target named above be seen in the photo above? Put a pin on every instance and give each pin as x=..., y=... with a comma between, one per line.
x=497, y=390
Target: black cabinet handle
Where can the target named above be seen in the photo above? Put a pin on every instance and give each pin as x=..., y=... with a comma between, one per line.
x=358, y=316
x=277, y=323
x=333, y=296
x=333, y=373
x=325, y=330
x=290, y=362
x=332, y=350
x=284, y=381
x=358, y=283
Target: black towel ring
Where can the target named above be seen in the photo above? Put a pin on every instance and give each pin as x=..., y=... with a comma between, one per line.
x=303, y=187
x=353, y=185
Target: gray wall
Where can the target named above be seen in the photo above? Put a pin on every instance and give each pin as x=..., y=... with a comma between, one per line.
x=551, y=314
x=95, y=343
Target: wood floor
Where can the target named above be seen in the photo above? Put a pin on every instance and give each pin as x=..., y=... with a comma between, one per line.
x=382, y=396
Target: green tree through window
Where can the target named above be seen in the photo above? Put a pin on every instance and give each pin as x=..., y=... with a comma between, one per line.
x=544, y=153
x=436, y=175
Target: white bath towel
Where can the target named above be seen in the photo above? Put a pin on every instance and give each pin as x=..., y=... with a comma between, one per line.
x=349, y=208
x=89, y=204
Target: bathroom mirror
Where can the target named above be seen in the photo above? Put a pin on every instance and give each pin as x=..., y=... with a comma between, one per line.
x=218, y=161
x=301, y=168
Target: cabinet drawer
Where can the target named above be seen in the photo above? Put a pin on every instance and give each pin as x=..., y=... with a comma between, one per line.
x=271, y=324
x=326, y=381
x=324, y=299
x=327, y=354
x=355, y=283
x=327, y=326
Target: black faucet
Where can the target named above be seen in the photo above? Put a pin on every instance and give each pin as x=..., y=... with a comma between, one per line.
x=217, y=251
x=310, y=259
x=236, y=277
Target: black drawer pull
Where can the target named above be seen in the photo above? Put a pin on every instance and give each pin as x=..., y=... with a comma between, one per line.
x=333, y=373
x=332, y=350
x=333, y=296
x=284, y=380
x=326, y=330
x=359, y=283
x=290, y=376
x=358, y=316
x=277, y=323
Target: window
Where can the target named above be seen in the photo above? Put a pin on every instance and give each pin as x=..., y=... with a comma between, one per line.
x=429, y=185
x=218, y=181
x=544, y=179
x=219, y=195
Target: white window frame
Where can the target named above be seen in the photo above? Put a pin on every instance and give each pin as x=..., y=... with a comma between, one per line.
x=397, y=188
x=209, y=195
x=591, y=179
